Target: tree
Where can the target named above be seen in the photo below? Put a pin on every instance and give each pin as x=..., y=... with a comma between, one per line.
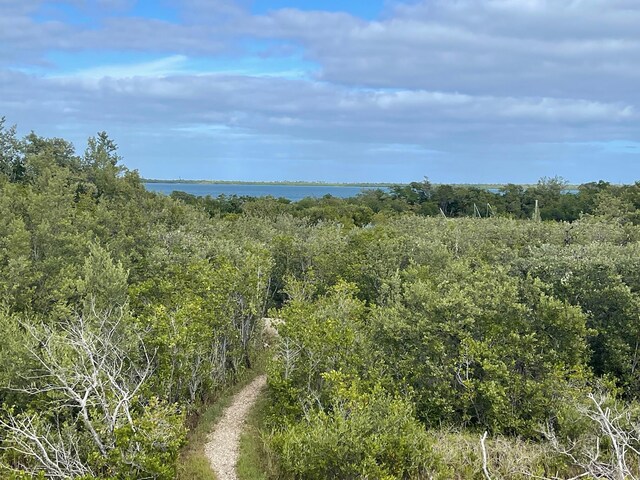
x=11, y=157
x=101, y=162
x=90, y=377
x=479, y=348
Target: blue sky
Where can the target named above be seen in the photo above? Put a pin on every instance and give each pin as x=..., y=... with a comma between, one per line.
x=376, y=90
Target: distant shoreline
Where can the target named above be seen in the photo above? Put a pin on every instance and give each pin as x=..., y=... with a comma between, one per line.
x=278, y=183
x=296, y=183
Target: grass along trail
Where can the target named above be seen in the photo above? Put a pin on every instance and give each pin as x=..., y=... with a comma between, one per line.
x=222, y=448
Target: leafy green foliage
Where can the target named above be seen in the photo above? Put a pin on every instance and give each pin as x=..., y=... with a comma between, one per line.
x=400, y=311
x=480, y=347
x=121, y=312
x=363, y=435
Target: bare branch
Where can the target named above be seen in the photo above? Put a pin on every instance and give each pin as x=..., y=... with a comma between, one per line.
x=485, y=468
x=96, y=367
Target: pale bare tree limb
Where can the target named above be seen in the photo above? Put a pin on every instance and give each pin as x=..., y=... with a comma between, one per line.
x=485, y=467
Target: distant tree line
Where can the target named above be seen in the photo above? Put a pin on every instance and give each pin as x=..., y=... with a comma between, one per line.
x=550, y=195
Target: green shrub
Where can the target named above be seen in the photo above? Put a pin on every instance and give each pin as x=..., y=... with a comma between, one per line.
x=364, y=435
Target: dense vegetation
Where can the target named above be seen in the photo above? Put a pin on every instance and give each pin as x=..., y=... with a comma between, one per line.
x=122, y=311
x=405, y=334
x=423, y=198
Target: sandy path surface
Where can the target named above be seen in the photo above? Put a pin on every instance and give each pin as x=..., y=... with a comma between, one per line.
x=222, y=448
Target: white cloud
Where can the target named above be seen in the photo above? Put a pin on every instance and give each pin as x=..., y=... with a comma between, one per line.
x=404, y=148
x=610, y=146
x=318, y=110
x=163, y=67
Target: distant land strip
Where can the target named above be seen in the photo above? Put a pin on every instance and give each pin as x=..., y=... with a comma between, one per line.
x=297, y=183
x=284, y=182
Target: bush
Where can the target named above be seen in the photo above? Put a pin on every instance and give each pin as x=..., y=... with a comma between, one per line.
x=364, y=435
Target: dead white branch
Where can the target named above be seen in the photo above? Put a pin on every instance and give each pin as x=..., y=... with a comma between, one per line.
x=617, y=429
x=92, y=369
x=485, y=467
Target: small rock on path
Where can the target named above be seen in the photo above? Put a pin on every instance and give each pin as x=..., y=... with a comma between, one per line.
x=223, y=445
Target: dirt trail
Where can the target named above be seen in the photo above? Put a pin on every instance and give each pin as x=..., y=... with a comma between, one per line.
x=222, y=448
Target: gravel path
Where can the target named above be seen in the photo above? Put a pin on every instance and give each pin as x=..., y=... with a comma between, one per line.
x=222, y=448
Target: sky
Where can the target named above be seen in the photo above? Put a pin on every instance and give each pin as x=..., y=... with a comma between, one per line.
x=460, y=91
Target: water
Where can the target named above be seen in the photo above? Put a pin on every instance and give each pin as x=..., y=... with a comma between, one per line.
x=292, y=192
